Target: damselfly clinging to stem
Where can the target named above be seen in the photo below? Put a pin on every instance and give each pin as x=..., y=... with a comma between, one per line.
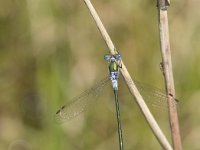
x=81, y=102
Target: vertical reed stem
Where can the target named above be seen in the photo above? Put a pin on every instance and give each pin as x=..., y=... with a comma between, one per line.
x=168, y=73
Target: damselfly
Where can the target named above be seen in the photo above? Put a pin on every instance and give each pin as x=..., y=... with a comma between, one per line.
x=81, y=102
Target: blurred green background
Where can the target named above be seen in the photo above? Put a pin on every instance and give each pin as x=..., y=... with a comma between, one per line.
x=51, y=51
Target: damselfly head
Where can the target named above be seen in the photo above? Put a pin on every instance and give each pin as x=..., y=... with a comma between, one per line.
x=112, y=58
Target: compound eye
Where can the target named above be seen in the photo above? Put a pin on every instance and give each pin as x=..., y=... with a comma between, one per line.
x=119, y=56
x=107, y=57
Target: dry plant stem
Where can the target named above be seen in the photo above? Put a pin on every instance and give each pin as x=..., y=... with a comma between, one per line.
x=134, y=91
x=169, y=81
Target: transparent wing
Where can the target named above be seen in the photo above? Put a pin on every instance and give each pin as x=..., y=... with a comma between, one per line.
x=154, y=96
x=81, y=102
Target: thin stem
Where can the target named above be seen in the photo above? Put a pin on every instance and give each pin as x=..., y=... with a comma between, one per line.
x=132, y=88
x=168, y=75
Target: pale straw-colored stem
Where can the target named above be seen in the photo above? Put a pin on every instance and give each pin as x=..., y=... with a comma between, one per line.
x=133, y=89
x=168, y=75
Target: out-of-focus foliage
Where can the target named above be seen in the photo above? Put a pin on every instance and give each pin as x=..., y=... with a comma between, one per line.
x=51, y=50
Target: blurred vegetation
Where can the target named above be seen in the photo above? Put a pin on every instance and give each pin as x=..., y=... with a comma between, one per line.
x=51, y=50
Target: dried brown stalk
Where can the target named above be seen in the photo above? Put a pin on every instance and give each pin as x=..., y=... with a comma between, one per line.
x=168, y=73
